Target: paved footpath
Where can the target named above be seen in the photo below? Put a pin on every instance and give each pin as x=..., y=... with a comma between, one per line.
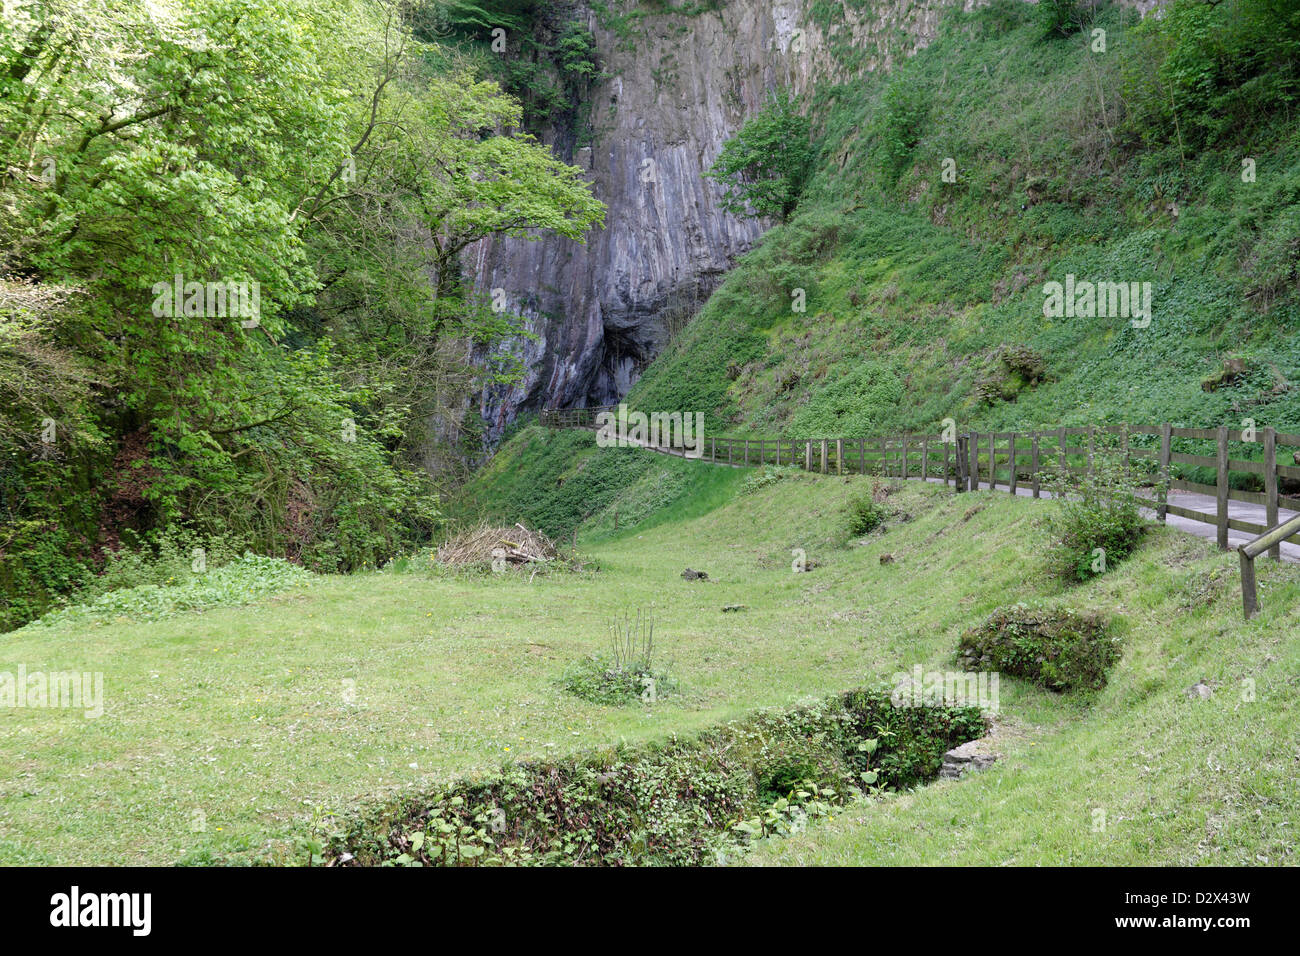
x=1194, y=501
x=1191, y=500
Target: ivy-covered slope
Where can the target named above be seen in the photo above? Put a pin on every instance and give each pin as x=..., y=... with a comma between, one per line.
x=923, y=299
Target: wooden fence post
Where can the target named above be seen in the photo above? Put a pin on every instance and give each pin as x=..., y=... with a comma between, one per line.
x=1012, y=456
x=824, y=455
x=959, y=479
x=925, y=459
x=904, y=466
x=1221, y=486
x=1061, y=446
x=973, y=472
x=1033, y=462
x=945, y=464
x=1270, y=486
x=713, y=450
x=862, y=456
x=839, y=456
x=1249, y=599
x=1166, y=452
x=807, y=456
x=1092, y=468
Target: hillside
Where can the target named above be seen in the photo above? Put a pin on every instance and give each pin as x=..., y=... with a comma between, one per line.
x=924, y=300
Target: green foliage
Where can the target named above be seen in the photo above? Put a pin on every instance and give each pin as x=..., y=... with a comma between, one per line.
x=313, y=152
x=53, y=563
x=1059, y=648
x=553, y=480
x=685, y=802
x=865, y=516
x=601, y=679
x=627, y=672
x=1014, y=369
x=1062, y=17
x=766, y=165
x=768, y=476
x=549, y=63
x=899, y=124
x=1206, y=73
x=853, y=404
x=242, y=581
x=1095, y=522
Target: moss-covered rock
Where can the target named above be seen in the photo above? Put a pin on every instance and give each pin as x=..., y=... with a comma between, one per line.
x=1058, y=648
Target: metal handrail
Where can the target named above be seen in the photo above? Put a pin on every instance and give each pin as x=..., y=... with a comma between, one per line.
x=1253, y=549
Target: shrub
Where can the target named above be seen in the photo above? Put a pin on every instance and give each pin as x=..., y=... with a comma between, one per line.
x=1096, y=523
x=626, y=672
x=766, y=165
x=683, y=802
x=865, y=516
x=1060, y=17
x=770, y=475
x=1058, y=648
x=1013, y=369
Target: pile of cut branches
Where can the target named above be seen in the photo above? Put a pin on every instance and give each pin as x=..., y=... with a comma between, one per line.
x=484, y=544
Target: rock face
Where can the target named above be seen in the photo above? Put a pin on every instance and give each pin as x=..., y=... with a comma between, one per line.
x=677, y=89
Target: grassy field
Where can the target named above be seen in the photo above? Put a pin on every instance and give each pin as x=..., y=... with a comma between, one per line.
x=345, y=690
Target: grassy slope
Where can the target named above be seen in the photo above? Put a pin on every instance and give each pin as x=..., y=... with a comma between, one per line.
x=912, y=283
x=241, y=712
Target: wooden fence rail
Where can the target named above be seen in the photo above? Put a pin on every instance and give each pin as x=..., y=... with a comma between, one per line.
x=1226, y=465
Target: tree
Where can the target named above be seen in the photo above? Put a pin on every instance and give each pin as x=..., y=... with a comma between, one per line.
x=766, y=165
x=312, y=148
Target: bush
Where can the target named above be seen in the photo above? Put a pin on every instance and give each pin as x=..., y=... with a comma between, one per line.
x=1060, y=649
x=1013, y=368
x=766, y=165
x=865, y=516
x=684, y=802
x=601, y=680
x=770, y=475
x=626, y=672
x=1062, y=17
x=1097, y=523
x=164, y=557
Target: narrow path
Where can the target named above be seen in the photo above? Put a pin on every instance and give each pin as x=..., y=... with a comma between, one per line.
x=1191, y=500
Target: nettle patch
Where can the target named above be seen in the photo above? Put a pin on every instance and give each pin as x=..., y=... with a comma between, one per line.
x=683, y=802
x=1058, y=648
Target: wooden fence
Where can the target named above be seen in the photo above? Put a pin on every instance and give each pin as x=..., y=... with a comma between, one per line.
x=1226, y=465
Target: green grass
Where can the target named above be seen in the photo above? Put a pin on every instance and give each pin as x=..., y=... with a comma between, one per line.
x=913, y=283
x=321, y=699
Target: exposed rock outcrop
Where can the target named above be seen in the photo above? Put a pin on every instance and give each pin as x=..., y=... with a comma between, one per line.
x=676, y=91
x=677, y=87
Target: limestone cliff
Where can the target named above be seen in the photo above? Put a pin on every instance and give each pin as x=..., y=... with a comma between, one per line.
x=677, y=86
